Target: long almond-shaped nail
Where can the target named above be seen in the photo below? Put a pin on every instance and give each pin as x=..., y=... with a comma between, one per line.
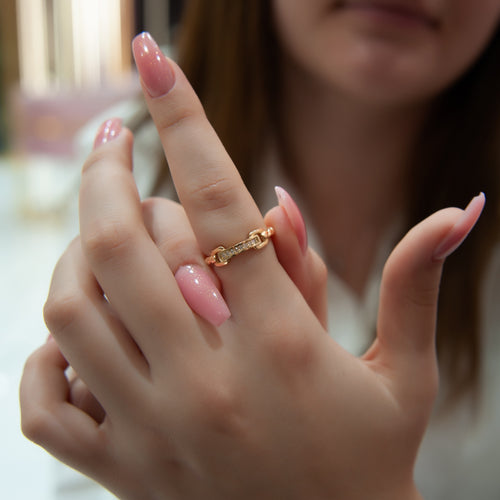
x=294, y=215
x=108, y=131
x=201, y=294
x=156, y=73
x=461, y=229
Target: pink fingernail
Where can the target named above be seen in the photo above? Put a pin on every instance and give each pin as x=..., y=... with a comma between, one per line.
x=294, y=216
x=461, y=229
x=154, y=68
x=108, y=131
x=201, y=294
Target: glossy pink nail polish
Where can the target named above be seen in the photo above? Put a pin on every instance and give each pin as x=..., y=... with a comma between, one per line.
x=155, y=70
x=294, y=216
x=108, y=131
x=201, y=294
x=461, y=229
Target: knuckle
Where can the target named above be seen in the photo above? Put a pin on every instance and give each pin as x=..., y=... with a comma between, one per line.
x=108, y=239
x=290, y=350
x=150, y=206
x=218, y=408
x=422, y=297
x=176, y=248
x=31, y=364
x=180, y=113
x=116, y=157
x=214, y=195
x=293, y=351
x=60, y=311
x=35, y=424
x=153, y=207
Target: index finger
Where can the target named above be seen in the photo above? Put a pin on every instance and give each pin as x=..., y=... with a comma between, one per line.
x=219, y=207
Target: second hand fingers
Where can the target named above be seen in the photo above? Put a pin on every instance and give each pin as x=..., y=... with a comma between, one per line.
x=122, y=256
x=90, y=336
x=49, y=420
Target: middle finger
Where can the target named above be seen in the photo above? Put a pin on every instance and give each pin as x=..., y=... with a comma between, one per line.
x=220, y=208
x=169, y=228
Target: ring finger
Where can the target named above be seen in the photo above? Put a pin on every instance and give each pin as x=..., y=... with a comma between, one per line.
x=169, y=228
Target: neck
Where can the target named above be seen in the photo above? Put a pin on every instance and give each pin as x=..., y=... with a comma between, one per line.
x=351, y=162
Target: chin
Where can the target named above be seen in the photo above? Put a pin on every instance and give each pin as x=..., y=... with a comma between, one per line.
x=387, y=92
x=386, y=75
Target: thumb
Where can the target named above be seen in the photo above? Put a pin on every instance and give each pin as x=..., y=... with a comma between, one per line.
x=304, y=266
x=410, y=288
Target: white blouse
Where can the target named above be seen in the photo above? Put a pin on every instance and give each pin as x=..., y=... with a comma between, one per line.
x=459, y=458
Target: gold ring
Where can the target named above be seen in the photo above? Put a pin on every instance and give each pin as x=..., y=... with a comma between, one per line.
x=257, y=239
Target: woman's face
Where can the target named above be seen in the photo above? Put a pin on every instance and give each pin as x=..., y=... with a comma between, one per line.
x=385, y=51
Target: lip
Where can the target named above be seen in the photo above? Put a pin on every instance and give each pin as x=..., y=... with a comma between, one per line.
x=403, y=11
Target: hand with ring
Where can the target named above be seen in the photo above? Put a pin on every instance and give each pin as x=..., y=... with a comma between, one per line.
x=243, y=394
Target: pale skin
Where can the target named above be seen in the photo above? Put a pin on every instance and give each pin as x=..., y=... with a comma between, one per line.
x=266, y=405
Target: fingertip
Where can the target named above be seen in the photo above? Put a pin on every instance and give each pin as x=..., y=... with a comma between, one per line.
x=112, y=140
x=156, y=72
x=294, y=215
x=411, y=280
x=109, y=130
x=287, y=246
x=275, y=217
x=51, y=352
x=461, y=229
x=285, y=242
x=202, y=294
x=307, y=270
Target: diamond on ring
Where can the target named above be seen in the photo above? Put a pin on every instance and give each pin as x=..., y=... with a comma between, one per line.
x=257, y=239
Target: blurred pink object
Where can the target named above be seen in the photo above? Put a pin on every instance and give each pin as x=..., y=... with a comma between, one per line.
x=48, y=124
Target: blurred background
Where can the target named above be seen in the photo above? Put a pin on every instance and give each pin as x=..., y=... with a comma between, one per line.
x=65, y=65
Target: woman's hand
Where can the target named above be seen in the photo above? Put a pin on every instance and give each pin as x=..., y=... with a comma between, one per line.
x=265, y=405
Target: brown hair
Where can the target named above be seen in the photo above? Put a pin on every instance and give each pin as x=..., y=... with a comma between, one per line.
x=229, y=52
